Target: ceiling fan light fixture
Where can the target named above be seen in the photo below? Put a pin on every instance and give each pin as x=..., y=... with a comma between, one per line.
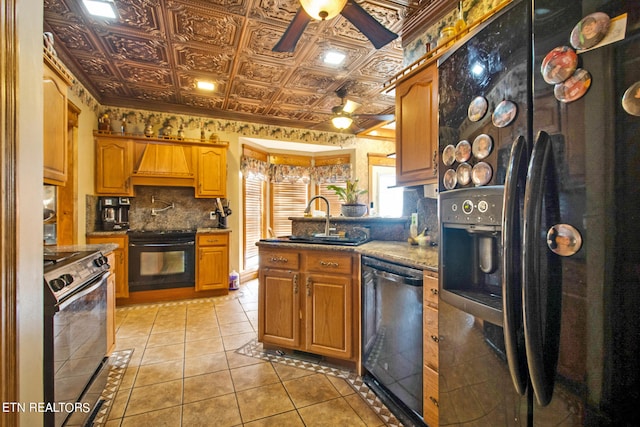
x=341, y=122
x=101, y=8
x=323, y=9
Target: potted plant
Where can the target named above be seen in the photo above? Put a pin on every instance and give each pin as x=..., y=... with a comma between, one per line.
x=349, y=194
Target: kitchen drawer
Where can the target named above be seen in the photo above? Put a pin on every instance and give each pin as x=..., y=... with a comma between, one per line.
x=430, y=388
x=328, y=262
x=431, y=289
x=430, y=348
x=213, y=239
x=279, y=259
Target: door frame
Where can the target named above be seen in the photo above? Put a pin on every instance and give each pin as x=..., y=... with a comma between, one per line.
x=8, y=211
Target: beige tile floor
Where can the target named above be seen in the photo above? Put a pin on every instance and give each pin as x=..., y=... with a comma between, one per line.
x=185, y=371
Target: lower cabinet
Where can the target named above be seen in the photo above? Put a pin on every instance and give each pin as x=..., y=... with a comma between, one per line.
x=430, y=349
x=212, y=261
x=111, y=303
x=309, y=301
x=121, y=261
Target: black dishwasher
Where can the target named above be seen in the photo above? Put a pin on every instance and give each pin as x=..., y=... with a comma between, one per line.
x=392, y=336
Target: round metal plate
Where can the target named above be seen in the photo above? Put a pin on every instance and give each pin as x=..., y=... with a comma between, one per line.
x=463, y=151
x=574, y=87
x=450, y=179
x=449, y=155
x=481, y=174
x=590, y=30
x=477, y=108
x=463, y=173
x=559, y=65
x=504, y=114
x=482, y=146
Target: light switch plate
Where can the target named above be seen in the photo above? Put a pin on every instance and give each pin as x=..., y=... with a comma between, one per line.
x=212, y=215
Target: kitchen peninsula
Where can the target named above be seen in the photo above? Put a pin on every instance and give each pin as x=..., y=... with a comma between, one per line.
x=317, y=297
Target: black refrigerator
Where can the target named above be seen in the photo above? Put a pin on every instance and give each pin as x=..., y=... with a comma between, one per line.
x=536, y=108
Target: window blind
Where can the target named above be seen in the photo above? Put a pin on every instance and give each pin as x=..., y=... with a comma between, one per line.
x=334, y=201
x=254, y=206
x=287, y=200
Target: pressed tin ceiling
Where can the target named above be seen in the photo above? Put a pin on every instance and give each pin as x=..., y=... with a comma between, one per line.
x=151, y=56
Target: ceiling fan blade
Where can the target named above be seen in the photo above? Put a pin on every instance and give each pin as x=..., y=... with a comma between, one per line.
x=350, y=106
x=367, y=24
x=381, y=117
x=295, y=29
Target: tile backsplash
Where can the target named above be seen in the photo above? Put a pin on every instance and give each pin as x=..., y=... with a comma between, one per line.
x=188, y=212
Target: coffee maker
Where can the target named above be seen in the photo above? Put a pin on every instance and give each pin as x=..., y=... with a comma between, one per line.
x=114, y=213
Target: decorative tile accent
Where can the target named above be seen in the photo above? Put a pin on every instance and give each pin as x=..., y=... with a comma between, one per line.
x=118, y=362
x=254, y=349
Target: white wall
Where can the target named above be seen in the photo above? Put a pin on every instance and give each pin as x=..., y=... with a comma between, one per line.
x=29, y=206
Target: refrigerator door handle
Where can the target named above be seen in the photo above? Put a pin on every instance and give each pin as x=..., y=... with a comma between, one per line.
x=541, y=272
x=511, y=265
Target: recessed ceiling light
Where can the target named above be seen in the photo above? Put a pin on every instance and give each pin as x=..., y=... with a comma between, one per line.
x=334, y=58
x=205, y=85
x=104, y=9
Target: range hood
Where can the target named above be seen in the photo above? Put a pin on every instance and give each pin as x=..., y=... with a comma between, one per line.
x=164, y=165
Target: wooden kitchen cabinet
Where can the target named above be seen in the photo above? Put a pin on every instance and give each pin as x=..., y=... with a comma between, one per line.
x=212, y=263
x=212, y=172
x=111, y=303
x=309, y=301
x=430, y=348
x=121, y=262
x=417, y=127
x=114, y=166
x=56, y=82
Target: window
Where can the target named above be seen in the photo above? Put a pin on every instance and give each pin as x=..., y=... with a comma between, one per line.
x=287, y=200
x=387, y=200
x=332, y=197
x=254, y=219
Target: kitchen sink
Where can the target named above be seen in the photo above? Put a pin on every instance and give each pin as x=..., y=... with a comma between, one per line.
x=318, y=240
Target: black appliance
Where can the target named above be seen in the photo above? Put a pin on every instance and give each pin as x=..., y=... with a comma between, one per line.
x=114, y=213
x=161, y=259
x=562, y=350
x=392, y=336
x=75, y=336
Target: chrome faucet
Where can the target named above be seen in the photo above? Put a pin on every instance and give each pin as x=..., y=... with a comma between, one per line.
x=308, y=209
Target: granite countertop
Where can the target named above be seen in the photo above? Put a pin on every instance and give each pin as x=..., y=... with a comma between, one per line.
x=102, y=247
x=106, y=233
x=213, y=230
x=424, y=258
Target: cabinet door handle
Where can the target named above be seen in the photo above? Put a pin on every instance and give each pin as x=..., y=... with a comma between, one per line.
x=295, y=283
x=278, y=259
x=434, y=291
x=433, y=400
x=435, y=338
x=308, y=286
x=329, y=264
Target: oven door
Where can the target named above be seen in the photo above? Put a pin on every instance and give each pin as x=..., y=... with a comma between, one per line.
x=75, y=354
x=161, y=265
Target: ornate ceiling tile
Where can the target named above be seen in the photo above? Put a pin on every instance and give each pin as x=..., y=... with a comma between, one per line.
x=252, y=92
x=381, y=67
x=187, y=83
x=95, y=66
x=261, y=71
x=142, y=15
x=297, y=99
x=238, y=7
x=214, y=28
x=112, y=88
x=311, y=80
x=262, y=38
x=153, y=94
x=203, y=102
x=152, y=76
x=61, y=9
x=129, y=48
x=245, y=107
x=279, y=10
x=209, y=61
x=75, y=38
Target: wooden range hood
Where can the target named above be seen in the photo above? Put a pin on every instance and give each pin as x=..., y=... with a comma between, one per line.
x=163, y=165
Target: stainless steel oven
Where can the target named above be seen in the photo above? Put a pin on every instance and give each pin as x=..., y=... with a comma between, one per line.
x=161, y=259
x=75, y=336
x=392, y=336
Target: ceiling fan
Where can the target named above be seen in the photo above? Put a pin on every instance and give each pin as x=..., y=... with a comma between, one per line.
x=327, y=9
x=342, y=115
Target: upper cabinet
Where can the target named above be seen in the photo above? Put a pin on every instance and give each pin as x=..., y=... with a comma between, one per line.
x=124, y=162
x=417, y=127
x=114, y=165
x=212, y=172
x=56, y=81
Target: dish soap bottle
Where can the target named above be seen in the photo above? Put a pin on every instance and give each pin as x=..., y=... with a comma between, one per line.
x=234, y=281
